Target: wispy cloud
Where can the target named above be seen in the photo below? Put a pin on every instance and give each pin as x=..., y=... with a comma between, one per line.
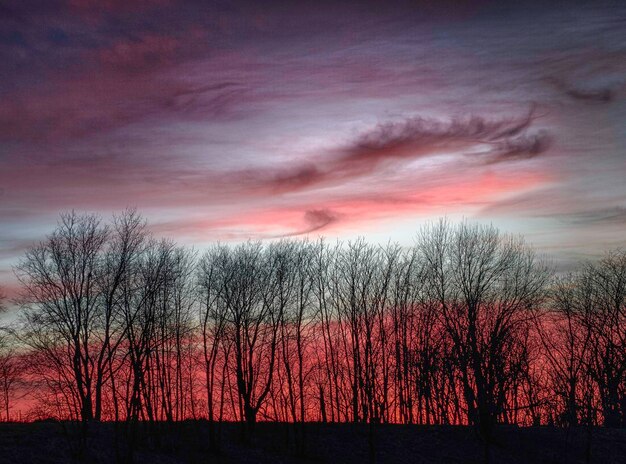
x=231, y=120
x=477, y=139
x=595, y=94
x=615, y=215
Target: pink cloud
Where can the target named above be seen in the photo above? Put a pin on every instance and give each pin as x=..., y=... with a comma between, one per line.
x=359, y=211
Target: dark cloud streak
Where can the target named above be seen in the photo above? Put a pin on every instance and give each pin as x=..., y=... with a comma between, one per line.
x=610, y=215
x=479, y=139
x=315, y=220
x=585, y=94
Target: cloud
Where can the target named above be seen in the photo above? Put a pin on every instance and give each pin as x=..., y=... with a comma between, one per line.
x=87, y=106
x=137, y=54
x=318, y=218
x=226, y=121
x=285, y=179
x=315, y=220
x=418, y=136
x=615, y=215
x=98, y=9
x=605, y=95
x=480, y=140
x=12, y=247
x=255, y=223
x=588, y=93
x=354, y=211
x=546, y=199
x=519, y=148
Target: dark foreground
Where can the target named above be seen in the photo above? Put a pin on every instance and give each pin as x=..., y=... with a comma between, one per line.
x=188, y=442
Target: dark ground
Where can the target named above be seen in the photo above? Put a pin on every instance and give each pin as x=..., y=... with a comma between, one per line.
x=187, y=442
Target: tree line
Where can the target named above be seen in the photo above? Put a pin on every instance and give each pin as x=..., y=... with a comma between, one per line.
x=466, y=326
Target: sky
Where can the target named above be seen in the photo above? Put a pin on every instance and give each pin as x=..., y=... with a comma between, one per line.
x=227, y=121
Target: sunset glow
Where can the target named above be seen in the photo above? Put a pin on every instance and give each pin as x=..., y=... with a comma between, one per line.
x=225, y=121
x=312, y=231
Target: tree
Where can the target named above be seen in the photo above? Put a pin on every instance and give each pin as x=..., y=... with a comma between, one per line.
x=566, y=338
x=456, y=329
x=607, y=321
x=72, y=299
x=10, y=365
x=486, y=285
x=295, y=290
x=60, y=279
x=11, y=369
x=249, y=287
x=125, y=243
x=213, y=324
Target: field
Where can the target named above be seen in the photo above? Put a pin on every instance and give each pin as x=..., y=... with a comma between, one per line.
x=188, y=442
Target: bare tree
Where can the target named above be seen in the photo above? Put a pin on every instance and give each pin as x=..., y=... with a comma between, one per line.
x=485, y=284
x=295, y=292
x=454, y=330
x=11, y=369
x=566, y=339
x=125, y=242
x=60, y=279
x=213, y=323
x=607, y=321
x=248, y=292
x=329, y=382
x=143, y=299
